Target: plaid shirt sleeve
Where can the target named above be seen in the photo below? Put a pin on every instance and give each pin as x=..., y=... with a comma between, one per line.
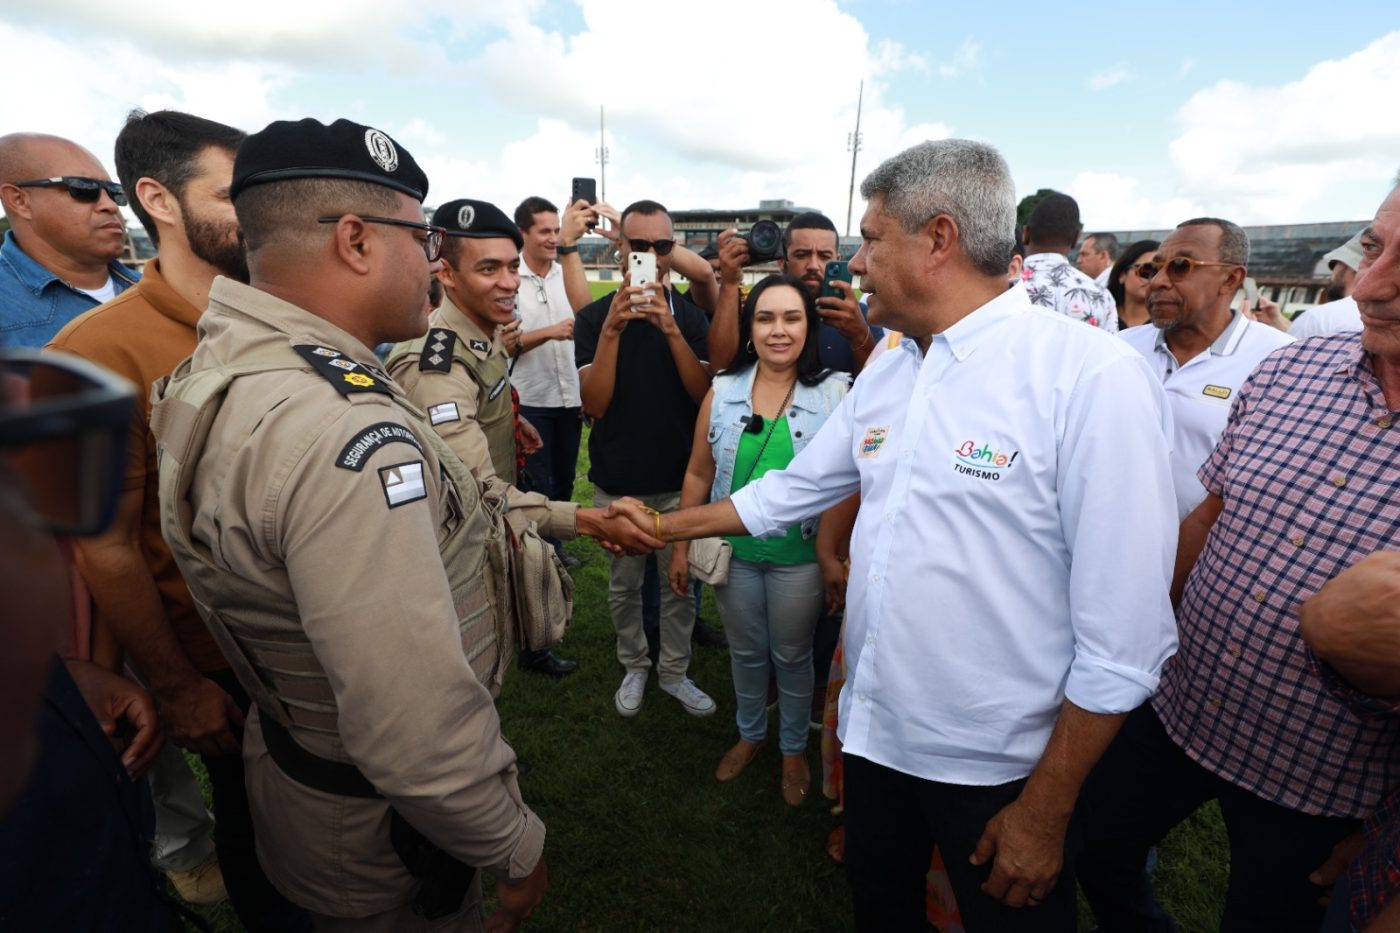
x=1362, y=704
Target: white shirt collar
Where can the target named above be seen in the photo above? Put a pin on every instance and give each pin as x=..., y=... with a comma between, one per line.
x=964, y=337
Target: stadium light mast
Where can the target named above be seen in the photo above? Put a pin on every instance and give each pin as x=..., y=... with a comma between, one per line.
x=601, y=156
x=853, y=146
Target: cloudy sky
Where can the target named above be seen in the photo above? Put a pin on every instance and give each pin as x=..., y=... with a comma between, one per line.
x=1263, y=113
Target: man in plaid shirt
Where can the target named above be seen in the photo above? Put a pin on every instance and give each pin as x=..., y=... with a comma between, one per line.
x=1302, y=485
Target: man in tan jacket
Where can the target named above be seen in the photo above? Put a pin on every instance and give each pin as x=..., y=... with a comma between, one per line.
x=342, y=555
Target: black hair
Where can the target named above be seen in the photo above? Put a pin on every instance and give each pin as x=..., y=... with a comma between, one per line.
x=810, y=220
x=288, y=210
x=1054, y=222
x=1131, y=254
x=164, y=146
x=809, y=364
x=645, y=208
x=525, y=213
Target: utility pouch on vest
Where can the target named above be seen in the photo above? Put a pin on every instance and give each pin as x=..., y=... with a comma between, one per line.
x=543, y=589
x=444, y=880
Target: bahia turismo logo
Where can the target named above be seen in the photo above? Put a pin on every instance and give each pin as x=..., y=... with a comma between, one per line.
x=984, y=462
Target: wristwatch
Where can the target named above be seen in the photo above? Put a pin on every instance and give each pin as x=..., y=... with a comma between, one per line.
x=566, y=250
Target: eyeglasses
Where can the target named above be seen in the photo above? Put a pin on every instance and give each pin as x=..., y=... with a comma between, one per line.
x=432, y=246
x=85, y=190
x=65, y=440
x=663, y=247
x=541, y=295
x=1177, y=268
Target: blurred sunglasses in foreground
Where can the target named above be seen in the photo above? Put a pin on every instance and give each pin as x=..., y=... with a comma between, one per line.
x=63, y=435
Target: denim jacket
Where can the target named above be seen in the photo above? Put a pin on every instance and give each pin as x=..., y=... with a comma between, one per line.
x=732, y=405
x=35, y=303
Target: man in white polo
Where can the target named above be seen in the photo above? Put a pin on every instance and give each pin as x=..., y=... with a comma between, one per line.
x=1005, y=608
x=1200, y=347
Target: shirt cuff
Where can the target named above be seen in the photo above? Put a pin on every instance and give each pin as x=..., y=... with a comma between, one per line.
x=752, y=513
x=527, y=852
x=1098, y=685
x=563, y=521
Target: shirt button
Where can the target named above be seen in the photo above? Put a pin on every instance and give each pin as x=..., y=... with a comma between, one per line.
x=875, y=578
x=1259, y=597
x=869, y=640
x=1383, y=421
x=905, y=454
x=1339, y=481
x=889, y=516
x=1214, y=702
x=1235, y=651
x=793, y=413
x=1298, y=540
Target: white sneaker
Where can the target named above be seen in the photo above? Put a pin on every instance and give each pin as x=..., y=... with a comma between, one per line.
x=696, y=701
x=628, y=698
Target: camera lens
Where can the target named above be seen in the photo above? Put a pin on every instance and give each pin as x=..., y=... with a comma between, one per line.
x=765, y=236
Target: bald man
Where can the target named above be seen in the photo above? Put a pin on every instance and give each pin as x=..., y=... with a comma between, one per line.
x=59, y=257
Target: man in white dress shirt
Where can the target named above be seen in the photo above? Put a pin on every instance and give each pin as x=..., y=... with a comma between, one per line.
x=1200, y=347
x=1006, y=606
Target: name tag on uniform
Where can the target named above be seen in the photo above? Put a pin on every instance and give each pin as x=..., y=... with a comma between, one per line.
x=444, y=412
x=1216, y=391
x=403, y=483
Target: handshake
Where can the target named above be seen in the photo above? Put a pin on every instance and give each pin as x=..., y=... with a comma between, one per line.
x=626, y=527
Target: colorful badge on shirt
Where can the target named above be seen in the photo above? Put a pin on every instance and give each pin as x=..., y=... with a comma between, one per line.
x=403, y=483
x=872, y=442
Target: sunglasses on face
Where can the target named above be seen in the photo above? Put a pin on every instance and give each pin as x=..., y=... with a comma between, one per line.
x=86, y=190
x=663, y=247
x=63, y=433
x=1177, y=269
x=432, y=246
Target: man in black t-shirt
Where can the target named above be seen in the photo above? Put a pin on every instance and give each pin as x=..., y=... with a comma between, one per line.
x=642, y=364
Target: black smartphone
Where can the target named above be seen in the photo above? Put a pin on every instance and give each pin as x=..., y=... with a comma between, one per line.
x=836, y=269
x=586, y=188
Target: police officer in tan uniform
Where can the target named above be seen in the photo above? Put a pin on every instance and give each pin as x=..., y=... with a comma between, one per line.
x=343, y=556
x=459, y=372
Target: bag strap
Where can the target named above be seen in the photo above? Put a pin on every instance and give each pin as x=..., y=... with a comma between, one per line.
x=764, y=446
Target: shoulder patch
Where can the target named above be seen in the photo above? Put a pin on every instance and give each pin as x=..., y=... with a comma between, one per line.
x=403, y=483
x=354, y=454
x=346, y=375
x=496, y=390
x=480, y=346
x=437, y=351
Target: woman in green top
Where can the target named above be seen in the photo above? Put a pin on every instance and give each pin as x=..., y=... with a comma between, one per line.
x=758, y=415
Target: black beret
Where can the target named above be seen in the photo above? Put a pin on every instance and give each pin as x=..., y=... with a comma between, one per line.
x=310, y=149
x=481, y=219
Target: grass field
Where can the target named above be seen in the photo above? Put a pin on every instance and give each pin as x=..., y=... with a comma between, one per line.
x=642, y=838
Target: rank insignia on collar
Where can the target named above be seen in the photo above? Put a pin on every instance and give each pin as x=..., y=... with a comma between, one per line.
x=437, y=351
x=345, y=374
x=480, y=346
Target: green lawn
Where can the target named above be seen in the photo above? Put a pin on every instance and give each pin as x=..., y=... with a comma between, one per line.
x=642, y=838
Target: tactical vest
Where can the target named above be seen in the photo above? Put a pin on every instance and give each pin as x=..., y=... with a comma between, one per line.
x=495, y=414
x=257, y=629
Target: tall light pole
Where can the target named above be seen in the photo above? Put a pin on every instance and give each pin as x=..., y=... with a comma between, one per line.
x=601, y=155
x=853, y=144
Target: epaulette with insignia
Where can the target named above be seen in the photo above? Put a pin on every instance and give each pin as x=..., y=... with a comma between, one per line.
x=437, y=351
x=340, y=371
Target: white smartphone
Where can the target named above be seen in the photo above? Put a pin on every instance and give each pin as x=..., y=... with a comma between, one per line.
x=643, y=268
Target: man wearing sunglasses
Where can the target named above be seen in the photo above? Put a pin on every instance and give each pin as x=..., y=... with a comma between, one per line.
x=59, y=257
x=1301, y=487
x=1200, y=346
x=642, y=354
x=340, y=551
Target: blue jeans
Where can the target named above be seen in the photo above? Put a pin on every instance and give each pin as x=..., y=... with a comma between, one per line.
x=554, y=466
x=769, y=611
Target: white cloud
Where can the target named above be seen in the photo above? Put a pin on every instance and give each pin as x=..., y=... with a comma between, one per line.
x=964, y=60
x=1272, y=154
x=1115, y=74
x=1109, y=201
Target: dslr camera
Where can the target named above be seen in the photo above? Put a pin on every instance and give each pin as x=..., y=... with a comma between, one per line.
x=765, y=239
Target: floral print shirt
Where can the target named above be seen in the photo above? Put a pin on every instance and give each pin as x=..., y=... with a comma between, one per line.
x=1052, y=282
